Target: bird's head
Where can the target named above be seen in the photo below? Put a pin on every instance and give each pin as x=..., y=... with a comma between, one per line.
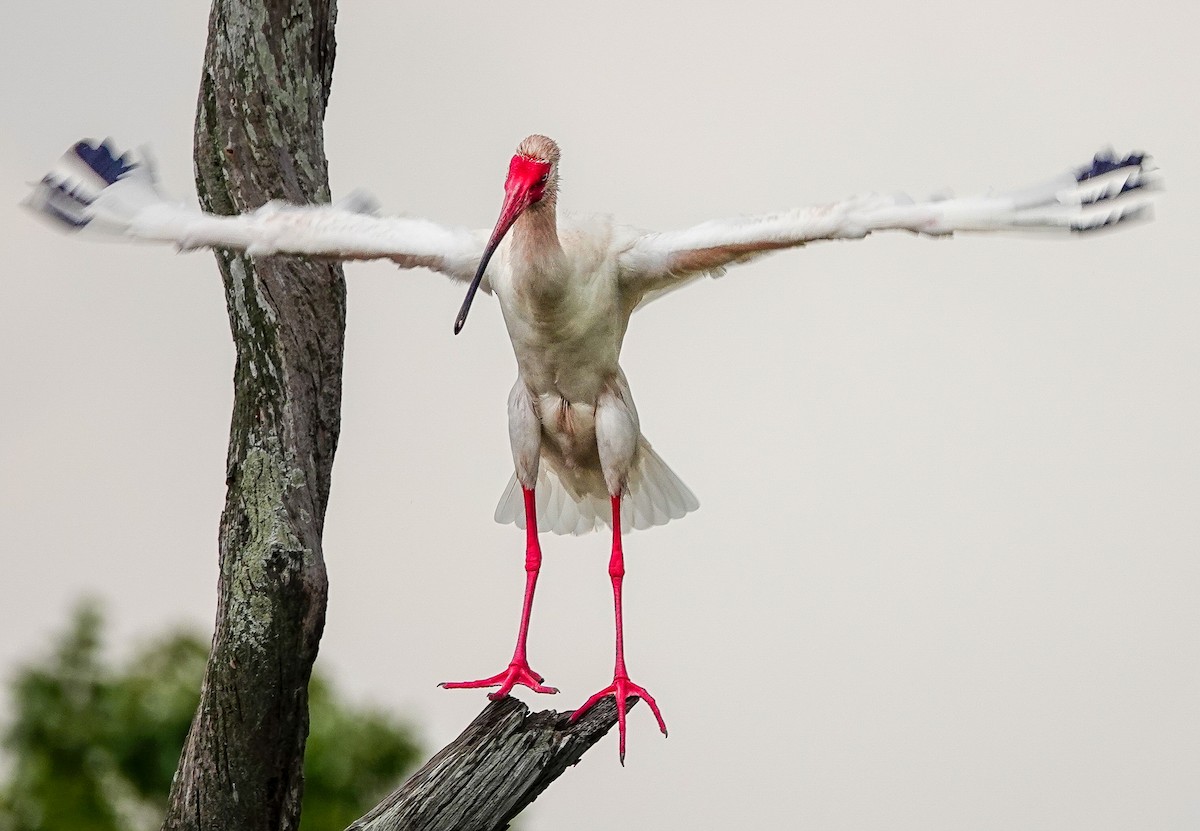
x=532, y=173
x=532, y=180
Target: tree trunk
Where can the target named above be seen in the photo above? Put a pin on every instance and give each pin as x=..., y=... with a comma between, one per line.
x=266, y=82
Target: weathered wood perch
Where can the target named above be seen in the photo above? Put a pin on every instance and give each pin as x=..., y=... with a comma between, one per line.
x=502, y=762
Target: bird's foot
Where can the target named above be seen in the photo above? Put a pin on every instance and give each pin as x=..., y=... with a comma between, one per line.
x=518, y=672
x=622, y=689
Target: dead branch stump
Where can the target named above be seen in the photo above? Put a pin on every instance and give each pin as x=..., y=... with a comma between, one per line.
x=502, y=762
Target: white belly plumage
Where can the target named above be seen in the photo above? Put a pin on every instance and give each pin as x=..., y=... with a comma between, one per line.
x=566, y=330
x=571, y=494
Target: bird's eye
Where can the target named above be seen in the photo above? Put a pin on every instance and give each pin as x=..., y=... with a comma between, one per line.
x=542, y=181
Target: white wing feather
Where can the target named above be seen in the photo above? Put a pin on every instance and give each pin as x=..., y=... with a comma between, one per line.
x=1108, y=191
x=92, y=189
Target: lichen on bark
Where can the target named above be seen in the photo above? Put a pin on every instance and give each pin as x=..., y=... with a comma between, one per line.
x=265, y=84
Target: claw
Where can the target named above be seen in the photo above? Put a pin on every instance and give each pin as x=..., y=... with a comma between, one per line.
x=623, y=689
x=518, y=672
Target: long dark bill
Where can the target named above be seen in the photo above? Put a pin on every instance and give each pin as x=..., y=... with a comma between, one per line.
x=461, y=320
x=515, y=201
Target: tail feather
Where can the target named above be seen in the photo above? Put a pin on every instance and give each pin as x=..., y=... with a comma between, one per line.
x=654, y=496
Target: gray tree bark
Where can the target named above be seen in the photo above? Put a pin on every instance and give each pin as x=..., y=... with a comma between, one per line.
x=266, y=81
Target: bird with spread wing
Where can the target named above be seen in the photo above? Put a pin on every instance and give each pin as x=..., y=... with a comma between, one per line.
x=567, y=287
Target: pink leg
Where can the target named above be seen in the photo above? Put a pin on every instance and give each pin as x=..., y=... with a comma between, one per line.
x=518, y=671
x=621, y=687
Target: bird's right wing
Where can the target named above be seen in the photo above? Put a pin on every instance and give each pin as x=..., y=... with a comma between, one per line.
x=1107, y=191
x=92, y=188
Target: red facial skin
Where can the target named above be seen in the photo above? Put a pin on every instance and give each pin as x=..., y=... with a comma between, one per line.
x=526, y=181
x=526, y=184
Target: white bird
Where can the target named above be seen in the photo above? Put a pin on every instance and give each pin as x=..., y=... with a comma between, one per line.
x=567, y=287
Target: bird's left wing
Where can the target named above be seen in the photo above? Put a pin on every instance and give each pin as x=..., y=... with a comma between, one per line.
x=1103, y=193
x=91, y=188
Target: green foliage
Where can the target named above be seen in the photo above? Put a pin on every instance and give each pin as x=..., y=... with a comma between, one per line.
x=92, y=747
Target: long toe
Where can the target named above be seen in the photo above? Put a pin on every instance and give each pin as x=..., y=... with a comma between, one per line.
x=623, y=689
x=518, y=672
x=641, y=693
x=591, y=702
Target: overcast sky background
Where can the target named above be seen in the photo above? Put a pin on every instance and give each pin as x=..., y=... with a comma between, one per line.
x=945, y=572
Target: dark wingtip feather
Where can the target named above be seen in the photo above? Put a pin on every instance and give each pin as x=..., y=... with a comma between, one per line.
x=63, y=189
x=1105, y=162
x=61, y=202
x=1142, y=213
x=100, y=158
x=71, y=220
x=1109, y=178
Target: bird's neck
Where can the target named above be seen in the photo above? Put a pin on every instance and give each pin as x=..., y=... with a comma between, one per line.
x=535, y=246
